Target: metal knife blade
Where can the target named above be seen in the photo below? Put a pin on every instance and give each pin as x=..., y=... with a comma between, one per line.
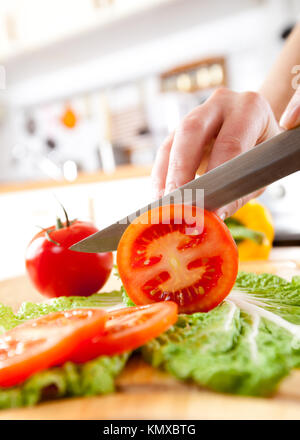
x=267, y=162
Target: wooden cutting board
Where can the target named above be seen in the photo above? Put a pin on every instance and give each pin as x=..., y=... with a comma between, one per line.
x=147, y=393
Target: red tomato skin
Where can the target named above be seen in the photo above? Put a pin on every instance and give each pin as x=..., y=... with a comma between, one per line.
x=121, y=337
x=47, y=348
x=57, y=271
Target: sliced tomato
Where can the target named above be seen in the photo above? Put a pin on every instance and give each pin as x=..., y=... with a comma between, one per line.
x=127, y=329
x=44, y=342
x=168, y=254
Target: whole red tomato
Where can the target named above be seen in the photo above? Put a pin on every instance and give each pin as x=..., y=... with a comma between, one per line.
x=57, y=271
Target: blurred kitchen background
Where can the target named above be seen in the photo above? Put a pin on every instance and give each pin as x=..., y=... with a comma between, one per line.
x=90, y=88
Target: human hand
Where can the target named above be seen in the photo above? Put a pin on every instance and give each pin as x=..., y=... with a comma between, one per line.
x=231, y=123
x=291, y=116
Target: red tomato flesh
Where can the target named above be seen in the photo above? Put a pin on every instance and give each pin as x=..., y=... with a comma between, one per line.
x=127, y=329
x=57, y=271
x=178, y=261
x=44, y=342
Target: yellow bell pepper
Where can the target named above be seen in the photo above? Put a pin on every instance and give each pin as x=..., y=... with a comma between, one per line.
x=255, y=216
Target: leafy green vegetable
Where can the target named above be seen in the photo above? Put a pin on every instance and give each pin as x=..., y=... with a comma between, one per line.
x=244, y=346
x=126, y=300
x=8, y=319
x=240, y=232
x=30, y=310
x=93, y=377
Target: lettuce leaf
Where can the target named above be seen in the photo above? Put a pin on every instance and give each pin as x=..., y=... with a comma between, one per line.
x=244, y=346
x=93, y=377
x=30, y=310
x=8, y=319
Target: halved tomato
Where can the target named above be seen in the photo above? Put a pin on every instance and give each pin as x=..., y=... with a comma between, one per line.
x=165, y=255
x=127, y=329
x=44, y=342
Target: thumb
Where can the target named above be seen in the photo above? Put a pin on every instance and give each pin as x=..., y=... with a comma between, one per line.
x=291, y=116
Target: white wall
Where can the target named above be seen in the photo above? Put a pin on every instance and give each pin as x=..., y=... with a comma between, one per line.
x=44, y=77
x=246, y=31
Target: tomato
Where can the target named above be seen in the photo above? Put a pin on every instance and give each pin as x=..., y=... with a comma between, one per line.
x=178, y=260
x=44, y=342
x=127, y=329
x=57, y=271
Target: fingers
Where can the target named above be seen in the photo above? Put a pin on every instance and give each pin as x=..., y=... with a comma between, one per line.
x=195, y=132
x=291, y=116
x=242, y=129
x=228, y=210
x=160, y=167
x=231, y=122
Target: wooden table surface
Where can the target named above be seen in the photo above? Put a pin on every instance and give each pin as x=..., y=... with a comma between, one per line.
x=147, y=393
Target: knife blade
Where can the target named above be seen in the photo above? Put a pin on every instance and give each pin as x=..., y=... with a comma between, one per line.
x=267, y=162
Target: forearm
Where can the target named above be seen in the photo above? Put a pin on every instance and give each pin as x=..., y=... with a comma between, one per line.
x=277, y=87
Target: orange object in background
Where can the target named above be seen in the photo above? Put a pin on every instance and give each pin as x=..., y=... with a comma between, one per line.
x=69, y=118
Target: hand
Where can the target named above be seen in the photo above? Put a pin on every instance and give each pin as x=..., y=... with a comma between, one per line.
x=230, y=123
x=291, y=115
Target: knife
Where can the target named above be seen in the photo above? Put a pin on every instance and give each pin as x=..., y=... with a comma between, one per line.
x=267, y=162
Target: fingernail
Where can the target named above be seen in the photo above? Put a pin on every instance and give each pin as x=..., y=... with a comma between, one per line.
x=170, y=188
x=290, y=118
x=284, y=119
x=157, y=194
x=222, y=214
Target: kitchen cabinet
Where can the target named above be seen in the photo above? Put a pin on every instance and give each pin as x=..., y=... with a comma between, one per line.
x=34, y=24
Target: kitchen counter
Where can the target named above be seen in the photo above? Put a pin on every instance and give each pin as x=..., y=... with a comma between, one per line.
x=121, y=172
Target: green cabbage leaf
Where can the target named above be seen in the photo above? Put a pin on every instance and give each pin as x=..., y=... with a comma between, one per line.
x=244, y=346
x=91, y=378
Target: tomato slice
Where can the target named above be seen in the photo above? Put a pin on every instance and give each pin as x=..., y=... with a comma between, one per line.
x=44, y=342
x=177, y=260
x=127, y=329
